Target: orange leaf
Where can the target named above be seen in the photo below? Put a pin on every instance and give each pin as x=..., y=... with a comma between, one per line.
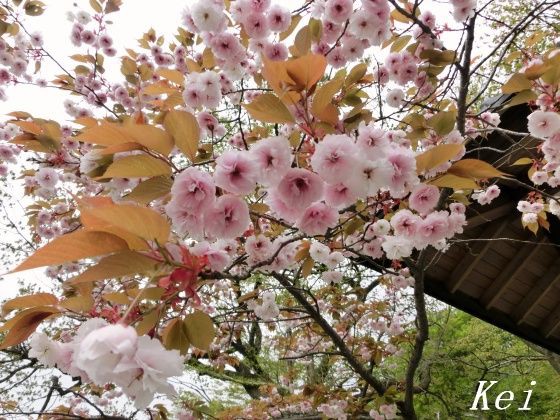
x=200, y=330
x=278, y=79
x=455, y=182
x=121, y=264
x=174, y=76
x=149, y=136
x=436, y=156
x=137, y=166
x=81, y=304
x=105, y=134
x=73, y=246
x=306, y=71
x=268, y=108
x=108, y=134
x=184, y=128
x=474, y=168
x=324, y=95
x=139, y=221
x=118, y=148
x=21, y=302
x=25, y=324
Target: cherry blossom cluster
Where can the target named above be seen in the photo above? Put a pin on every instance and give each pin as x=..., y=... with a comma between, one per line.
x=530, y=211
x=385, y=412
x=104, y=353
x=268, y=309
x=463, y=9
x=334, y=409
x=8, y=151
x=486, y=196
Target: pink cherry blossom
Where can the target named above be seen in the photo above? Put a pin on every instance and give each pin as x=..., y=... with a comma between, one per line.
x=227, y=47
x=153, y=365
x=397, y=247
x=236, y=172
x=218, y=259
x=544, y=123
x=317, y=218
x=433, y=228
x=333, y=156
x=341, y=194
x=103, y=349
x=338, y=11
x=194, y=190
x=423, y=198
x=374, y=174
x=228, y=219
x=207, y=16
x=371, y=141
x=403, y=175
x=405, y=223
x=256, y=26
x=334, y=277
x=395, y=98
x=258, y=248
x=185, y=221
x=273, y=156
x=373, y=248
x=276, y=51
x=280, y=209
x=299, y=188
x=279, y=18
x=47, y=178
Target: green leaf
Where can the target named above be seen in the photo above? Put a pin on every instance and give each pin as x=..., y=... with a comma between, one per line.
x=443, y=122
x=438, y=58
x=516, y=83
x=293, y=24
x=95, y=6
x=34, y=7
x=399, y=43
x=150, y=190
x=174, y=336
x=357, y=72
x=324, y=95
x=200, y=330
x=522, y=97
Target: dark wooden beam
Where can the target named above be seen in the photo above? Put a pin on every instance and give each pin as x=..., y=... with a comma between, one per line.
x=490, y=215
x=473, y=307
x=543, y=286
x=550, y=324
x=475, y=253
x=508, y=274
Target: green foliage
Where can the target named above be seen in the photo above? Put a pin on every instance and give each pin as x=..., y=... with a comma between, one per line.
x=464, y=350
